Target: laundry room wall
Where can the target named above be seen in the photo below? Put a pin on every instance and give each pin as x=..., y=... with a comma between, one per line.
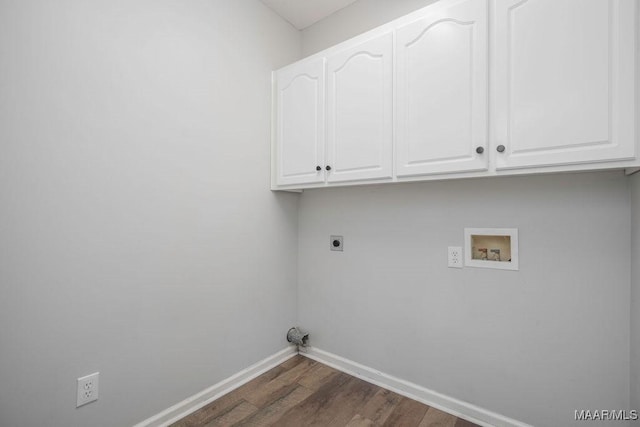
x=138, y=235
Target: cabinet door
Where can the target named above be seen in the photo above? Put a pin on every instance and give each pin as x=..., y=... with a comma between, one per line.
x=300, y=123
x=360, y=111
x=442, y=88
x=563, y=76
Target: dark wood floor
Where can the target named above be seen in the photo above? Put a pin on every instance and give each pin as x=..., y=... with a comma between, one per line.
x=301, y=392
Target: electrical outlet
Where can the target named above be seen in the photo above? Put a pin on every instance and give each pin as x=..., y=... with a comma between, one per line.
x=455, y=257
x=87, y=389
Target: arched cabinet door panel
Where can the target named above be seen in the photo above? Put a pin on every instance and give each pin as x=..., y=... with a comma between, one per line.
x=563, y=76
x=360, y=111
x=300, y=92
x=442, y=90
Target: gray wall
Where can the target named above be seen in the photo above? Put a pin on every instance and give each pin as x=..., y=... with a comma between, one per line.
x=355, y=19
x=533, y=345
x=138, y=235
x=635, y=293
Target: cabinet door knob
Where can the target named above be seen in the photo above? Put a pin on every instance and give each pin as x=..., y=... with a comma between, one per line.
x=500, y=148
x=318, y=168
x=480, y=150
x=328, y=168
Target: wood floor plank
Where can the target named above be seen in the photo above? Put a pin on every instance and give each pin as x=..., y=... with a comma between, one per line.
x=359, y=421
x=350, y=399
x=239, y=412
x=317, y=376
x=270, y=414
x=306, y=413
x=437, y=418
x=268, y=393
x=381, y=405
x=258, y=382
x=465, y=423
x=292, y=375
x=408, y=413
x=290, y=363
x=209, y=412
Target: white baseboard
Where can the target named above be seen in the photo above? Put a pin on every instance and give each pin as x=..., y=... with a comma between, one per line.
x=199, y=400
x=432, y=398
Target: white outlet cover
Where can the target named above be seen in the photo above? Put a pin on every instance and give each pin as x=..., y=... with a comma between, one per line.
x=455, y=259
x=87, y=389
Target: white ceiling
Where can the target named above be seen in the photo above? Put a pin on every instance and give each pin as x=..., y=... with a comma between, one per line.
x=303, y=13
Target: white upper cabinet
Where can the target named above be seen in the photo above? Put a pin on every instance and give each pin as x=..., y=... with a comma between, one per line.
x=300, y=142
x=360, y=111
x=464, y=88
x=442, y=91
x=563, y=82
